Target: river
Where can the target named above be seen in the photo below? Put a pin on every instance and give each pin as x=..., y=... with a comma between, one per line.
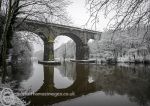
x=72, y=84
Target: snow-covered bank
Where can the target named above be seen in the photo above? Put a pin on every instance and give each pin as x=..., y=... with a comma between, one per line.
x=122, y=46
x=7, y=96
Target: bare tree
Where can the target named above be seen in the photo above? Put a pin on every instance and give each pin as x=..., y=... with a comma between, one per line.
x=41, y=10
x=22, y=49
x=5, y=33
x=131, y=16
x=125, y=13
x=44, y=10
x=0, y=4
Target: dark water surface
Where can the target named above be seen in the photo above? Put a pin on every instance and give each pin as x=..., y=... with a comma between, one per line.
x=86, y=84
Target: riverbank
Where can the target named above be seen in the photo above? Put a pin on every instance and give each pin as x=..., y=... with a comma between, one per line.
x=122, y=60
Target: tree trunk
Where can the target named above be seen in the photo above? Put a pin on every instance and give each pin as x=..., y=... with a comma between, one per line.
x=4, y=40
x=0, y=5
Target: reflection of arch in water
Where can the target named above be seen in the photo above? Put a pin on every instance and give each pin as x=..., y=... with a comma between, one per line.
x=22, y=71
x=64, y=75
x=81, y=78
x=111, y=79
x=80, y=86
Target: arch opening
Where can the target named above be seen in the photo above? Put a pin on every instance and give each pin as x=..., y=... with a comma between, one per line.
x=64, y=48
x=27, y=45
x=81, y=48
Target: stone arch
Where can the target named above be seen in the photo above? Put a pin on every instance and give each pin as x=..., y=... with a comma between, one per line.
x=37, y=32
x=74, y=37
x=42, y=32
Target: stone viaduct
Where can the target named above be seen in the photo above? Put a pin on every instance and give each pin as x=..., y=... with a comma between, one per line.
x=49, y=31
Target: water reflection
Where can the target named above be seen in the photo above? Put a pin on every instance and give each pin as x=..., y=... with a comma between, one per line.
x=22, y=71
x=63, y=77
x=27, y=75
x=118, y=85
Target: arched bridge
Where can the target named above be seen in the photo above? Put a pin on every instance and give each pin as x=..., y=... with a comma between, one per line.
x=49, y=31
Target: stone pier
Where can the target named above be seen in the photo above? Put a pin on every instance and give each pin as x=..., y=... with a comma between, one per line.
x=48, y=51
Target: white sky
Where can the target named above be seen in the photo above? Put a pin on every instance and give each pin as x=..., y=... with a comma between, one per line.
x=79, y=15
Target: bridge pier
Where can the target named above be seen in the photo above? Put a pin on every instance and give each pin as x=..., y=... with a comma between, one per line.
x=82, y=52
x=48, y=51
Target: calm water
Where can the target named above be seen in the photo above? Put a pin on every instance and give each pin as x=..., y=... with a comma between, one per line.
x=86, y=84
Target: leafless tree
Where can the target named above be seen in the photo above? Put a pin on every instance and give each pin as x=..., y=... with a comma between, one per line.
x=44, y=10
x=0, y=4
x=124, y=13
x=41, y=10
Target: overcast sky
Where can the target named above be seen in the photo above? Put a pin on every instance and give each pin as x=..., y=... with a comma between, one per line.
x=79, y=15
